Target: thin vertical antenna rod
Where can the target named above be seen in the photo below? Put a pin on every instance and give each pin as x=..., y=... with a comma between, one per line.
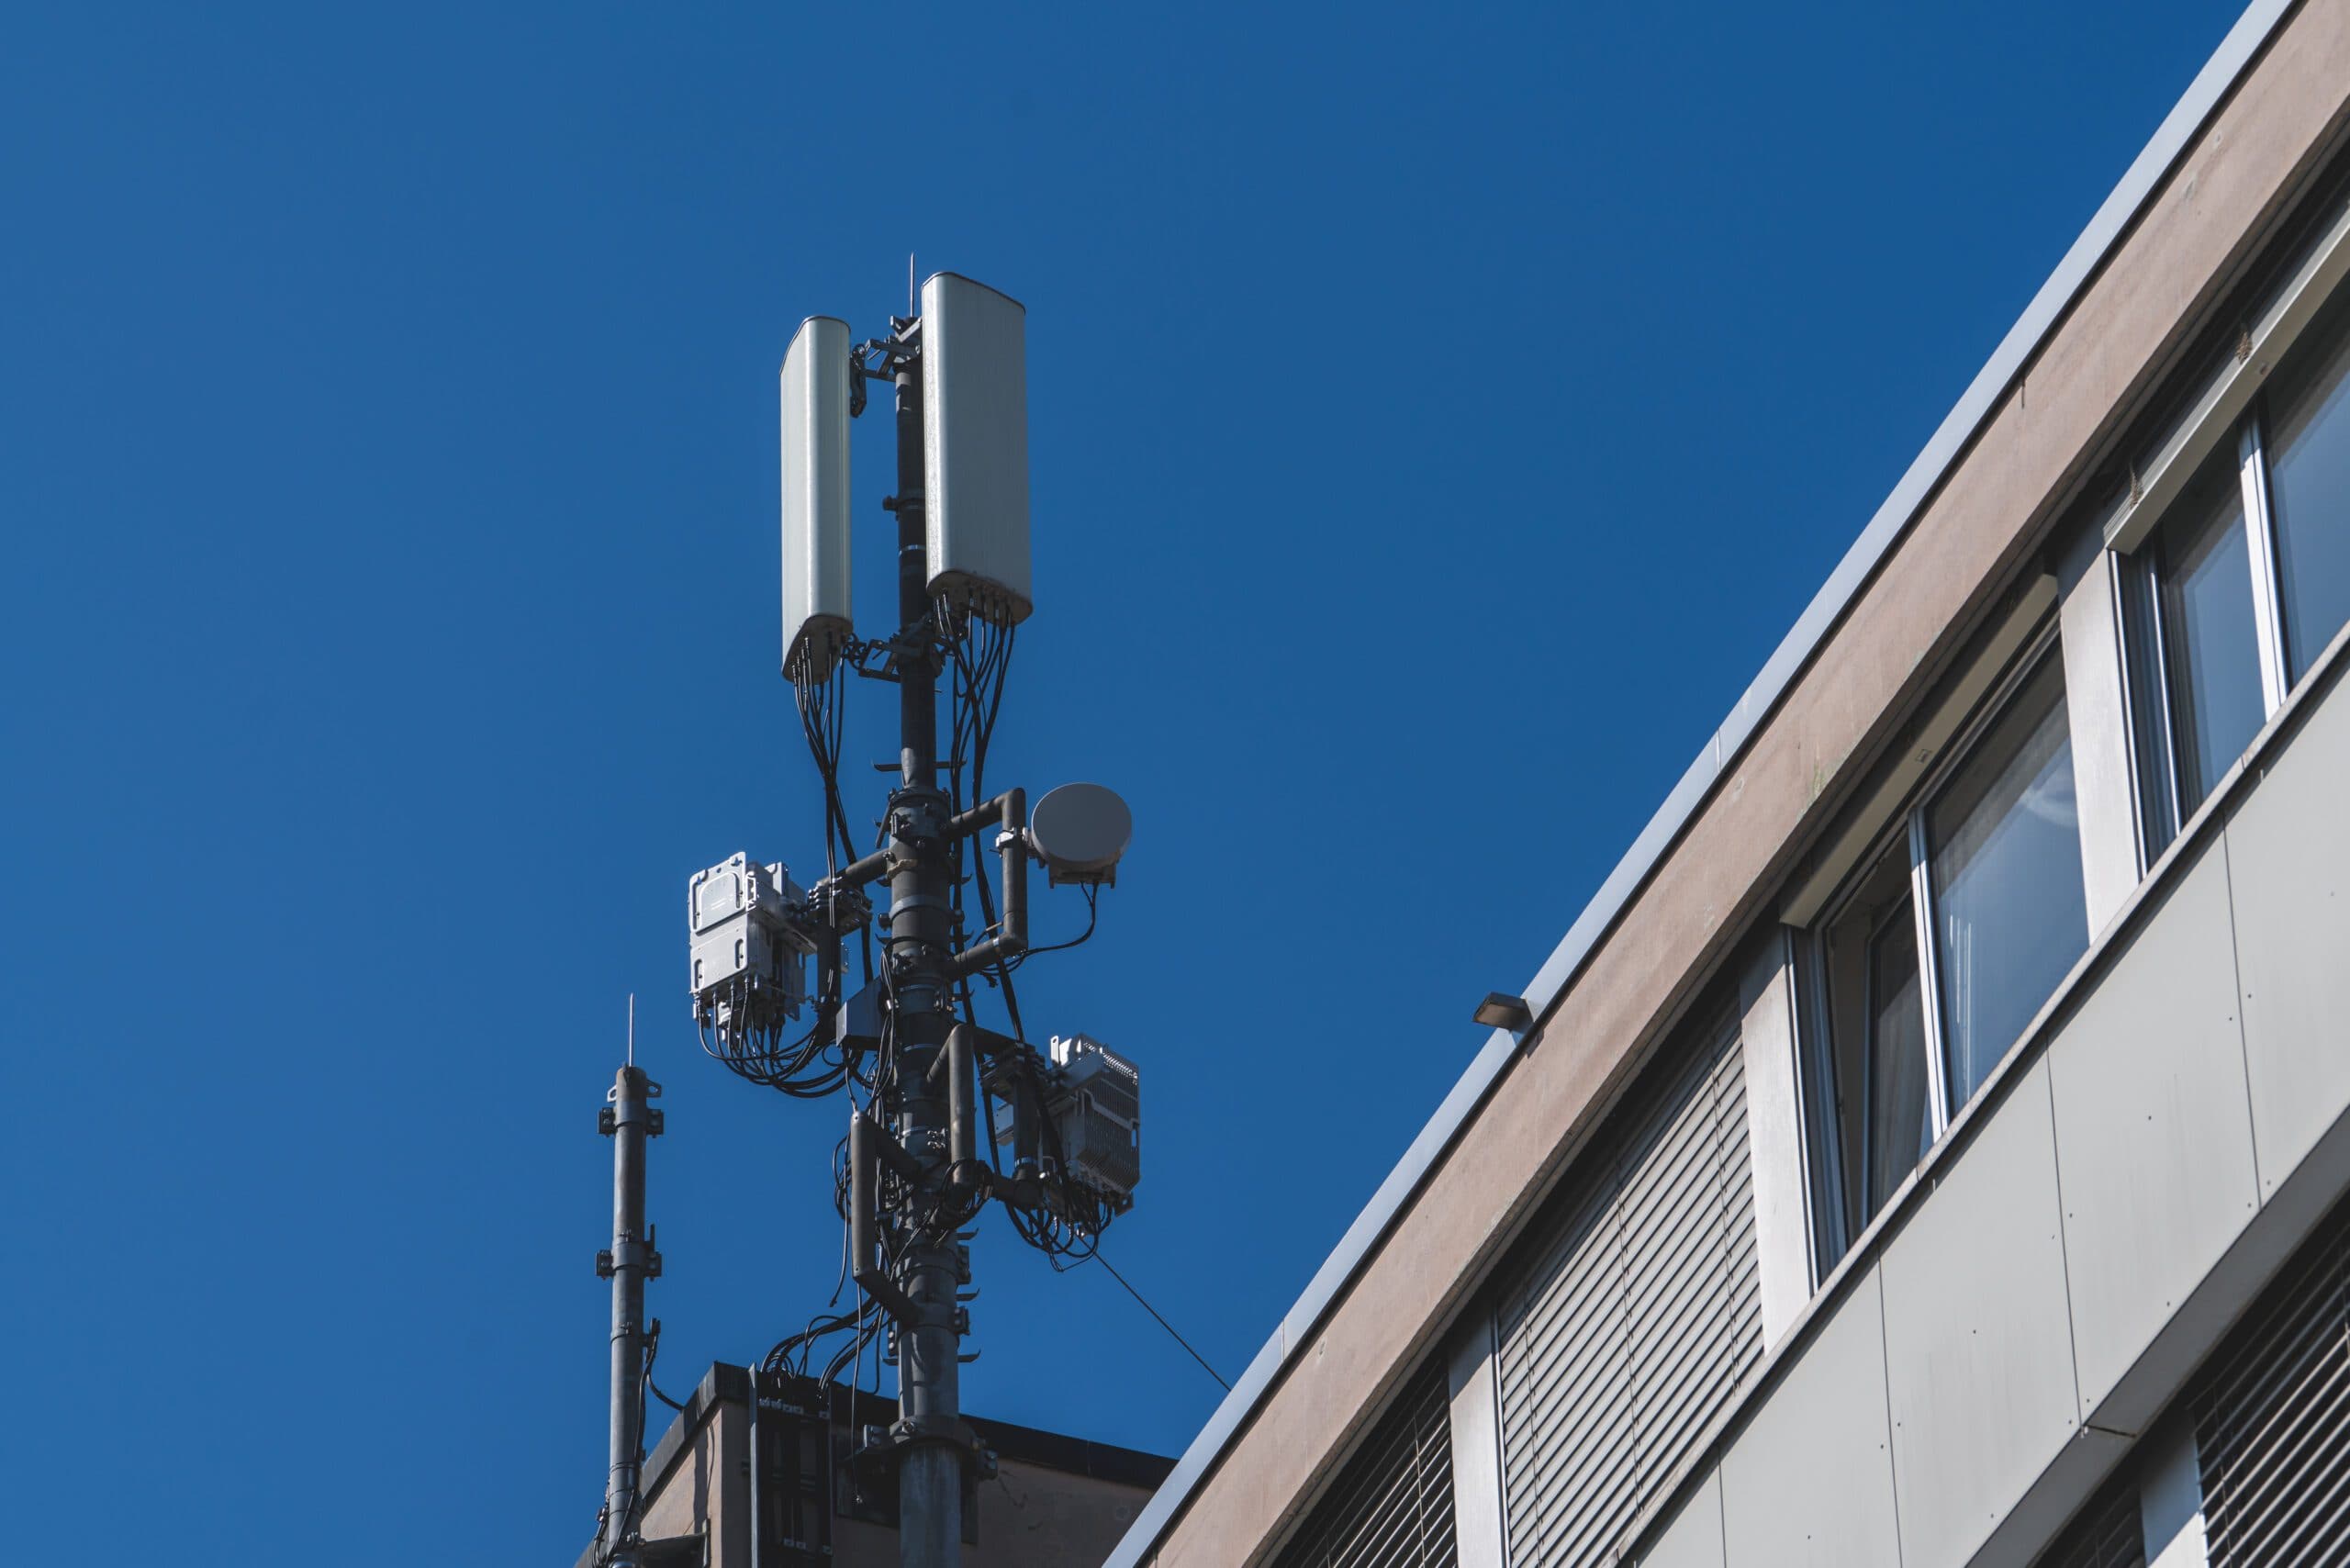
x=631, y=1028
x=628, y=1119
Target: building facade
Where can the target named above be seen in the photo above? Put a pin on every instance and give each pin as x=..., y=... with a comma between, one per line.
x=725, y=1488
x=1931, y=1147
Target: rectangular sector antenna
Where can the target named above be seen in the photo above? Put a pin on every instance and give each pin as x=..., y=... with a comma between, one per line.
x=975, y=446
x=815, y=499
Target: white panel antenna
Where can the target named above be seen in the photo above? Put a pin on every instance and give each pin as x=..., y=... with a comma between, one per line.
x=975, y=441
x=815, y=499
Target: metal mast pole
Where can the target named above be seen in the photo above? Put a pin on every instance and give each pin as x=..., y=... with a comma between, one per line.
x=630, y=1119
x=921, y=950
x=917, y=1170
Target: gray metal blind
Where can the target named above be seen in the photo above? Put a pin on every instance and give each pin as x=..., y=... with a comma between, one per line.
x=2108, y=1534
x=1391, y=1506
x=2272, y=1421
x=1634, y=1320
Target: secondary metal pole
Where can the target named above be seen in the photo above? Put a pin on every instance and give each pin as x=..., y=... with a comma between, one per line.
x=629, y=1119
x=921, y=951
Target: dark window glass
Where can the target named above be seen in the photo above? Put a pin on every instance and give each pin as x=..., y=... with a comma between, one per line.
x=2309, y=486
x=2149, y=706
x=2210, y=650
x=1876, y=1035
x=2150, y=744
x=2004, y=848
x=1900, y=1127
x=1823, y=1164
x=2108, y=1533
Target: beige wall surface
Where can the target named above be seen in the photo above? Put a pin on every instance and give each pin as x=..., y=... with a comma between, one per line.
x=1030, y=1516
x=1034, y=1517
x=2190, y=243
x=709, y=1484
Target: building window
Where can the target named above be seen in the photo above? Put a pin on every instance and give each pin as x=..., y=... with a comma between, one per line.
x=1390, y=1505
x=2198, y=605
x=2309, y=494
x=1899, y=1096
x=1869, y=1101
x=1634, y=1314
x=1940, y=951
x=2241, y=585
x=2003, y=854
x=2108, y=1533
x=2268, y=1428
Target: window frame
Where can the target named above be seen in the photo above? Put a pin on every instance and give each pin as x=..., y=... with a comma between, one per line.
x=2303, y=312
x=2268, y=587
x=2232, y=401
x=1815, y=1095
x=2145, y=649
x=2300, y=307
x=1906, y=832
x=2143, y=624
x=1816, y=1032
x=1870, y=1018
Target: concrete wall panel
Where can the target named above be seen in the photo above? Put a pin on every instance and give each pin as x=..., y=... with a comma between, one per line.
x=2288, y=860
x=2153, y=1129
x=1774, y=1135
x=1978, y=1339
x=1810, y=1480
x=1694, y=1540
x=2098, y=713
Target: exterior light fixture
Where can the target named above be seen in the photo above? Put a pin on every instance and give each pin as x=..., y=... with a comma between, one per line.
x=1500, y=1011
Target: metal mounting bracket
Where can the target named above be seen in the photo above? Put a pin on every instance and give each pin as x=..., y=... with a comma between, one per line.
x=884, y=1444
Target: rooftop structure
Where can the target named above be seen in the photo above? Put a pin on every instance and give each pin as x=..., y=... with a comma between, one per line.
x=1053, y=1502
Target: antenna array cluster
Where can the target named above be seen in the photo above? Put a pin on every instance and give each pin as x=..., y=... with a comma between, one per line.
x=873, y=980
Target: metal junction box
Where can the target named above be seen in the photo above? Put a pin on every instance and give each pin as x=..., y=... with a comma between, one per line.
x=975, y=445
x=1096, y=1106
x=748, y=956
x=815, y=498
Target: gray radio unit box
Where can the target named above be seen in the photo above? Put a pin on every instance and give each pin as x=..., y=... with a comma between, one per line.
x=748, y=956
x=1096, y=1107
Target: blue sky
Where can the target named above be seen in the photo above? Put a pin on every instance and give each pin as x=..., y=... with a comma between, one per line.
x=1437, y=415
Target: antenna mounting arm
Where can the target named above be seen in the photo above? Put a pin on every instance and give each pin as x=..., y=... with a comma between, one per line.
x=1009, y=811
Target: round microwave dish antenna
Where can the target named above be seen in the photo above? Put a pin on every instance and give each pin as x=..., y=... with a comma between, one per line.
x=1080, y=831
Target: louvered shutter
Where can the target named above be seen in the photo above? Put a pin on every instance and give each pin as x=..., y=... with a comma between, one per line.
x=2108, y=1534
x=1633, y=1322
x=2272, y=1419
x=1391, y=1506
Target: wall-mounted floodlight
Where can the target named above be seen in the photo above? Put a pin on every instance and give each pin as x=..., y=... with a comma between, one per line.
x=1500, y=1011
x=815, y=499
x=1080, y=831
x=975, y=444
